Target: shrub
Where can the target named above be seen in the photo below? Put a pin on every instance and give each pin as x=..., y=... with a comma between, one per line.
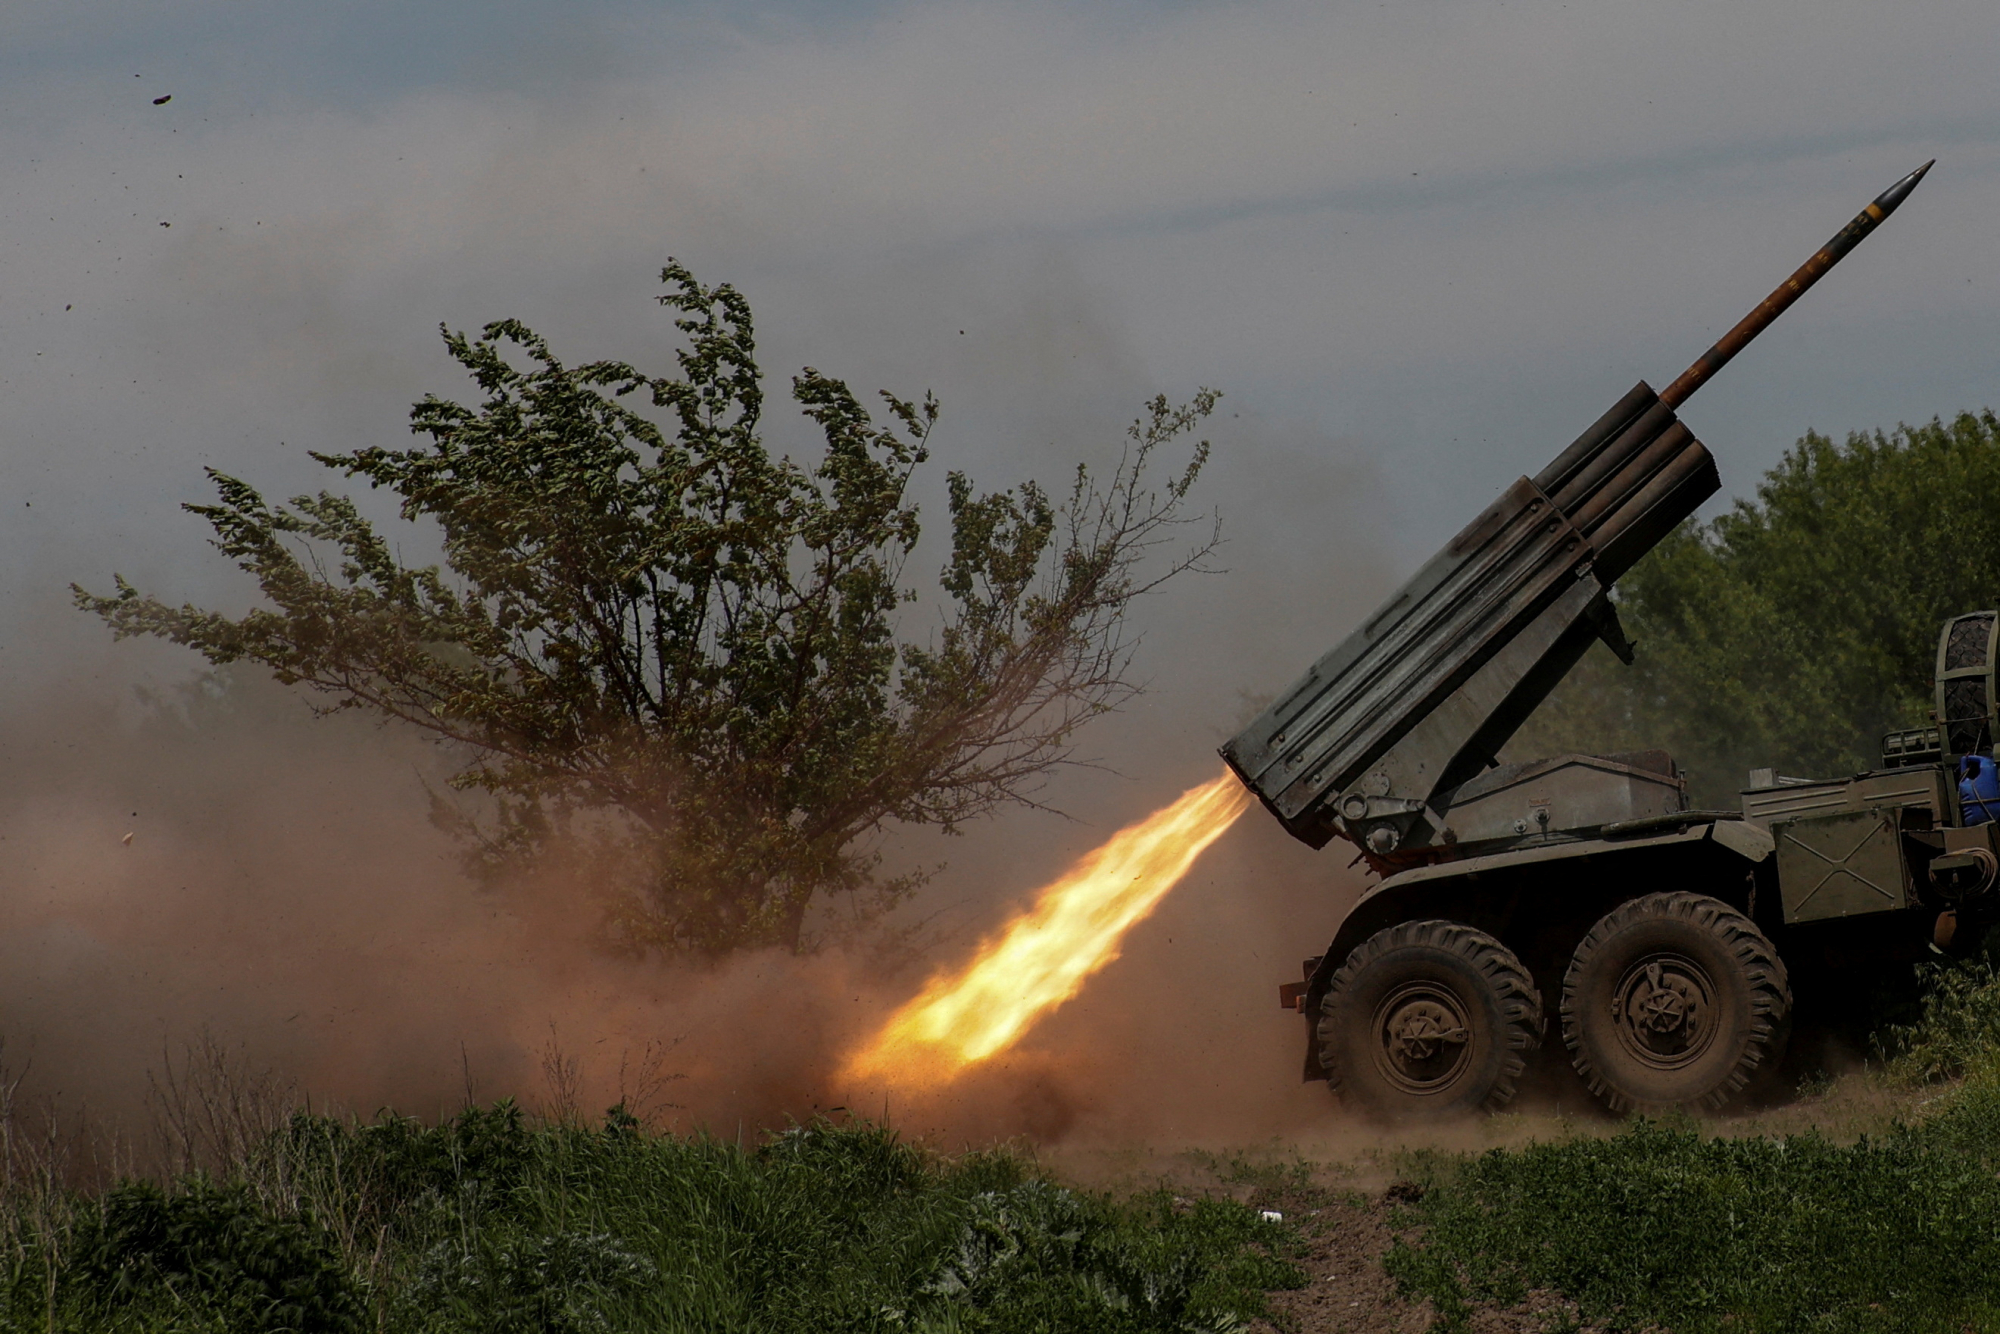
x=213, y=1251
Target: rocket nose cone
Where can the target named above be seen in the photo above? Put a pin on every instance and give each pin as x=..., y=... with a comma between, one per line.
x=1900, y=191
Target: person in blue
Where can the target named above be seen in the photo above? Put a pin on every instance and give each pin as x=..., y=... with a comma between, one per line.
x=1978, y=789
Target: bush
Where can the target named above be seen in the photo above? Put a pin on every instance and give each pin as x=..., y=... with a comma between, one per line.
x=568, y=1283
x=210, y=1252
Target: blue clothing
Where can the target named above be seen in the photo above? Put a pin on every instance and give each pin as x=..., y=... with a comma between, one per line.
x=1978, y=789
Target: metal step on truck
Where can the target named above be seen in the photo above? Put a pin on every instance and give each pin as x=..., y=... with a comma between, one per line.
x=1667, y=941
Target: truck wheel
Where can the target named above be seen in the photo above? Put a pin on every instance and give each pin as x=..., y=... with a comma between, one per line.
x=1428, y=1020
x=1674, y=1000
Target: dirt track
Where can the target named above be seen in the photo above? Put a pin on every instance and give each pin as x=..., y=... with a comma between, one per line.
x=1347, y=1233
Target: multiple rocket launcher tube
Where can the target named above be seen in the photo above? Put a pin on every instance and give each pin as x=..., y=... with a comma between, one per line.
x=1372, y=741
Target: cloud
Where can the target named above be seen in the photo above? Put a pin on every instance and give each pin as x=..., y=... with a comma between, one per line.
x=1338, y=209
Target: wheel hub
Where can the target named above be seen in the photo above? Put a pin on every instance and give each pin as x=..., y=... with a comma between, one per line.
x=1419, y=1030
x=1661, y=1010
x=1423, y=1037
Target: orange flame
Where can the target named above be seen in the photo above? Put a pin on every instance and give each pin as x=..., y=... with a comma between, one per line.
x=1044, y=956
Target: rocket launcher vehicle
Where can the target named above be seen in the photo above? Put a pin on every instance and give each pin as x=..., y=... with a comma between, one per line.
x=1386, y=737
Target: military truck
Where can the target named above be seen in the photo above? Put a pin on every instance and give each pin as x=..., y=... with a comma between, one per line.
x=1668, y=941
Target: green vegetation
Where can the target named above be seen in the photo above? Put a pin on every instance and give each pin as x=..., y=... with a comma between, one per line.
x=1958, y=1033
x=1796, y=629
x=494, y=1222
x=1662, y=1227
x=490, y=1224
x=655, y=637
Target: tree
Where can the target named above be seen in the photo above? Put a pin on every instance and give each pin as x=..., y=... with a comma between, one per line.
x=1797, y=628
x=655, y=637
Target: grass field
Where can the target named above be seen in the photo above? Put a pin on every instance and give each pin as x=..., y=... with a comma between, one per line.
x=490, y=1223
x=496, y=1221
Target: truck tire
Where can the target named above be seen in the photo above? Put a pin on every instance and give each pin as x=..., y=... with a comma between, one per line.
x=1428, y=1020
x=1674, y=1000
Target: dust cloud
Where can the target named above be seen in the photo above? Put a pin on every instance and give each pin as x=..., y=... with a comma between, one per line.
x=284, y=893
x=214, y=860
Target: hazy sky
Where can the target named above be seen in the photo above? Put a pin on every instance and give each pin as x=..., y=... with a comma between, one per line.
x=1419, y=246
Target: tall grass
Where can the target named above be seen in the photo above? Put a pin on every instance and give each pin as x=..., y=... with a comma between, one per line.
x=497, y=1223
x=1664, y=1227
x=1958, y=1031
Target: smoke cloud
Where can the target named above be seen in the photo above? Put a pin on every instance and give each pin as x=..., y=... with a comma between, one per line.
x=205, y=856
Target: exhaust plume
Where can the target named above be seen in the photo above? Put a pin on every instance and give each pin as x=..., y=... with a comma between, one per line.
x=1045, y=955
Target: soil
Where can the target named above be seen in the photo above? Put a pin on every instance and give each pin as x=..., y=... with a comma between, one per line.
x=1346, y=1234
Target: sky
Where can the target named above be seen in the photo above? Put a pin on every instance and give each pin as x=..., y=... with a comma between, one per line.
x=1418, y=246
